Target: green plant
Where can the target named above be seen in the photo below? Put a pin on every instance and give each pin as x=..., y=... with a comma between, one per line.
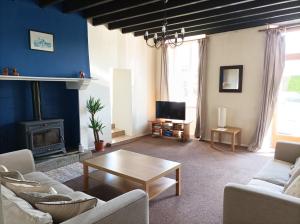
x=294, y=83
x=94, y=106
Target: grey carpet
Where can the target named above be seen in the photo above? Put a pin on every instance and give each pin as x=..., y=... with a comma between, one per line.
x=205, y=172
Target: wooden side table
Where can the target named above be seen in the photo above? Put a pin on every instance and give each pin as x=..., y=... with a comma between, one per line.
x=236, y=135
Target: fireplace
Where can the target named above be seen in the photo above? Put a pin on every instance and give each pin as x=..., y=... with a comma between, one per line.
x=43, y=137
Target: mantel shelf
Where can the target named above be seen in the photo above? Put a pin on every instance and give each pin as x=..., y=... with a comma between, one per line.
x=71, y=83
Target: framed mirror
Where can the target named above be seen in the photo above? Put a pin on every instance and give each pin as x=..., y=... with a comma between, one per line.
x=231, y=79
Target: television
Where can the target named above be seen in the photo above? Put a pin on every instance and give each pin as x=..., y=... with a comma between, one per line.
x=170, y=110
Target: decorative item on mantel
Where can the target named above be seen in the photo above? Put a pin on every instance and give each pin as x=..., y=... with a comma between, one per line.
x=82, y=75
x=94, y=106
x=5, y=71
x=15, y=73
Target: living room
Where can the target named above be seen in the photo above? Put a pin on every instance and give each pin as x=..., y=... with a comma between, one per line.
x=149, y=111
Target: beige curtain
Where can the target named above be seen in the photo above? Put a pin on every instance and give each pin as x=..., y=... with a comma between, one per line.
x=273, y=69
x=163, y=82
x=201, y=99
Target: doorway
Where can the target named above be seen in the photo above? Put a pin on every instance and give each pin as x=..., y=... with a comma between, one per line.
x=122, y=120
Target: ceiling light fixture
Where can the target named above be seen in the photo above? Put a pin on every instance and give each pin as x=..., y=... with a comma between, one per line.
x=165, y=37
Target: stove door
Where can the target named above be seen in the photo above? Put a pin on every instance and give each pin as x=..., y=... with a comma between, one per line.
x=46, y=141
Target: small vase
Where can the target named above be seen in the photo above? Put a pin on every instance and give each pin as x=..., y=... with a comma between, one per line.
x=5, y=71
x=222, y=117
x=15, y=73
x=99, y=146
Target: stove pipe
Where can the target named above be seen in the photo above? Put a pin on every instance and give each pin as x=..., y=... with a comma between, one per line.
x=36, y=100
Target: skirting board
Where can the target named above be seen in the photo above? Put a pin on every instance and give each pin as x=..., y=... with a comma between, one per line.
x=137, y=137
x=133, y=138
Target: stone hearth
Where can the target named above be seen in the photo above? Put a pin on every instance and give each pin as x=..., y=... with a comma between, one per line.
x=49, y=163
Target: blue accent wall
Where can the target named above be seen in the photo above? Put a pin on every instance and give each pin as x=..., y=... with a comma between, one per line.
x=70, y=57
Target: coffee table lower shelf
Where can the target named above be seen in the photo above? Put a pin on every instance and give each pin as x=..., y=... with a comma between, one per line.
x=155, y=188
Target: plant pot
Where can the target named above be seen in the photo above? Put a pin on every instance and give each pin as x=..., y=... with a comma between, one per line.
x=99, y=146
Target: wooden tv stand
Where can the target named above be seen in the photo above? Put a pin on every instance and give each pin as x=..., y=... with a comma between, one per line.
x=179, y=130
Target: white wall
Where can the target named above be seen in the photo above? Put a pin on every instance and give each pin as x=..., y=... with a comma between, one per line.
x=100, y=89
x=243, y=47
x=122, y=115
x=109, y=50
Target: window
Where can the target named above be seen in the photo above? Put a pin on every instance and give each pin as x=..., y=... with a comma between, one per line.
x=183, y=73
x=183, y=64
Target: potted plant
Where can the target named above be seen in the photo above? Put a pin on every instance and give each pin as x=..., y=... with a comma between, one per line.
x=94, y=106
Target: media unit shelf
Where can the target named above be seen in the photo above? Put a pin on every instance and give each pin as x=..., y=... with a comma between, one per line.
x=171, y=129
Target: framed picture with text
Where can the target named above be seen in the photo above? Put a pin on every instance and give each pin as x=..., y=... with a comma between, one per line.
x=41, y=41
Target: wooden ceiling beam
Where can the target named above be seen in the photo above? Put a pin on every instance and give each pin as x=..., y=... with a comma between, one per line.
x=116, y=7
x=149, y=21
x=44, y=3
x=176, y=9
x=238, y=16
x=196, y=16
x=262, y=17
x=249, y=24
x=200, y=18
x=79, y=5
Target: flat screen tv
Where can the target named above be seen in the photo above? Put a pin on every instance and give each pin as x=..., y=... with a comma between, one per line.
x=170, y=110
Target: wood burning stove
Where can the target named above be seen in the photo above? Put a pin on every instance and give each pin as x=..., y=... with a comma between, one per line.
x=43, y=137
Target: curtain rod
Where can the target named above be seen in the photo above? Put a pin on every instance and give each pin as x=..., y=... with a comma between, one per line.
x=288, y=27
x=202, y=36
x=194, y=39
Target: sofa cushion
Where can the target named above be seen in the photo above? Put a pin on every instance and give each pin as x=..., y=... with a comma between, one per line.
x=27, y=187
x=3, y=168
x=78, y=195
x=62, y=211
x=21, y=160
x=275, y=171
x=36, y=197
x=12, y=174
x=294, y=188
x=295, y=174
x=44, y=179
x=17, y=210
x=266, y=185
x=6, y=180
x=295, y=166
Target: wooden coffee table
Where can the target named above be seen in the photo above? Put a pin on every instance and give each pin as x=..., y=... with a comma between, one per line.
x=129, y=170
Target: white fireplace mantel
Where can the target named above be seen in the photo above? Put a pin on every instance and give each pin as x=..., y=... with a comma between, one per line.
x=71, y=83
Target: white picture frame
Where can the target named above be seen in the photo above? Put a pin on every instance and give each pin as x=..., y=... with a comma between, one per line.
x=41, y=41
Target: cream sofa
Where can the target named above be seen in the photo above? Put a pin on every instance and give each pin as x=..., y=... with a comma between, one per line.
x=262, y=200
x=129, y=208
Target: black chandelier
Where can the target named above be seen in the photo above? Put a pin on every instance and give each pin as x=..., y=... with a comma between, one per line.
x=165, y=37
